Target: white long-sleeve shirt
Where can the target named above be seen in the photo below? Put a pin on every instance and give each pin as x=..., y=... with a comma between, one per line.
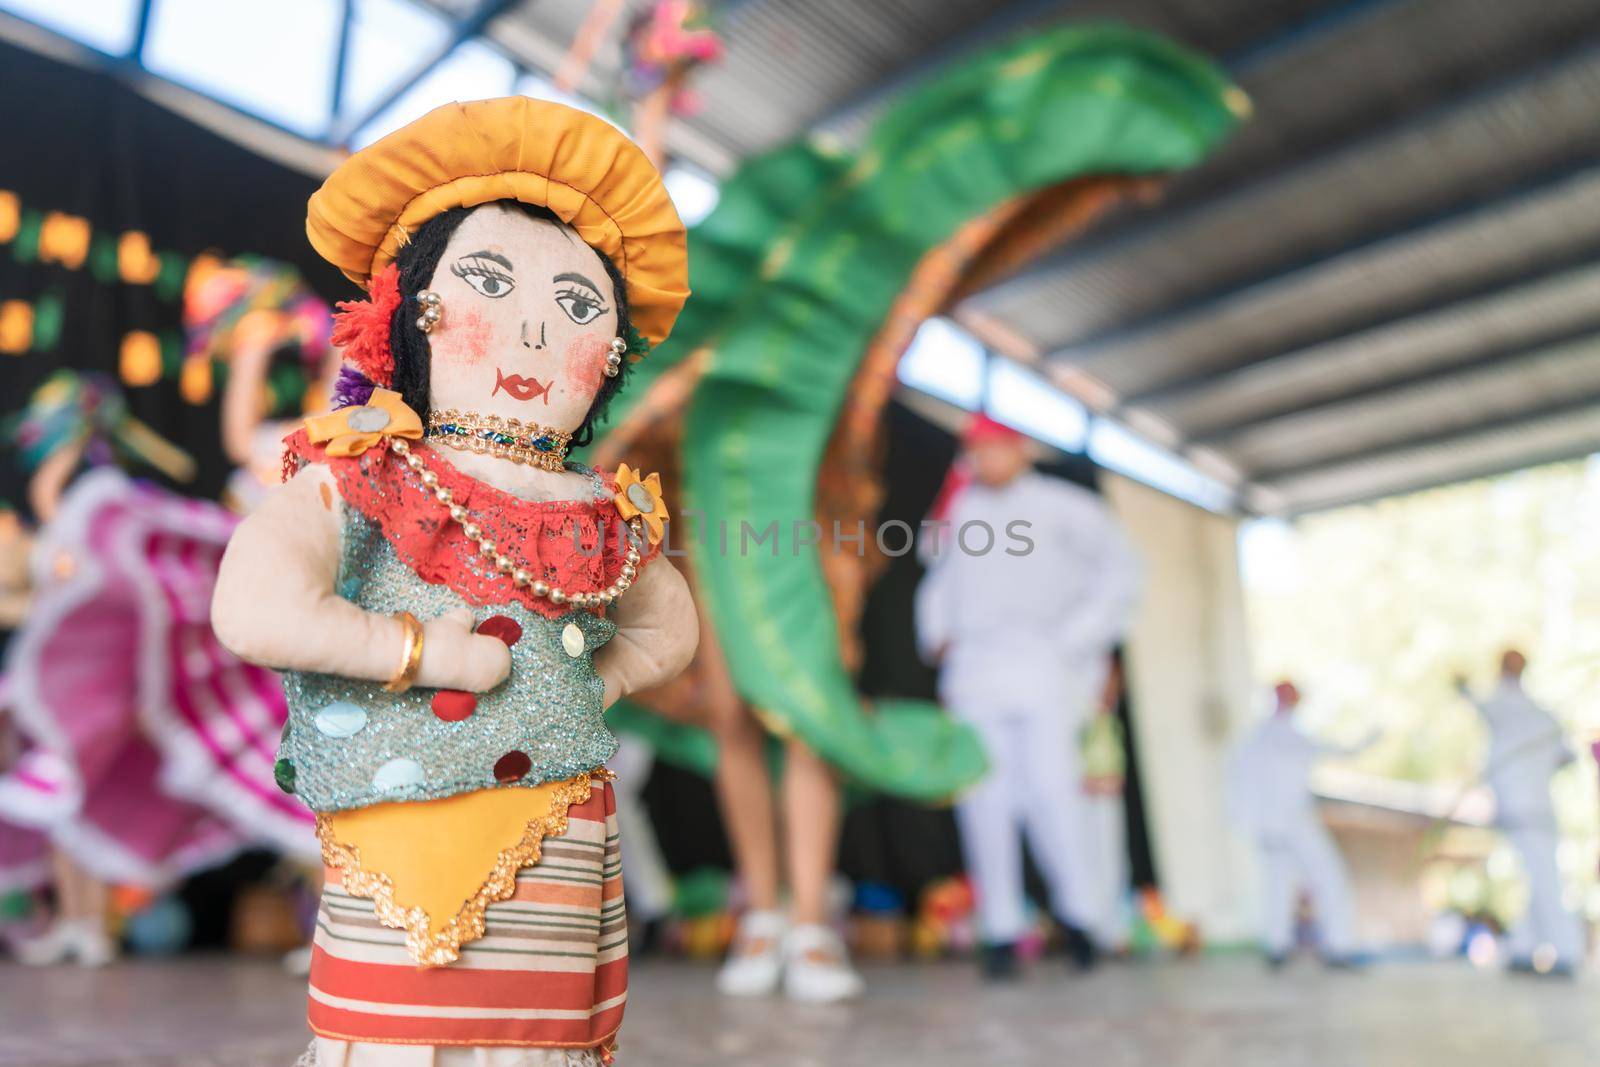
x=1526, y=745
x=1056, y=588
x=1269, y=781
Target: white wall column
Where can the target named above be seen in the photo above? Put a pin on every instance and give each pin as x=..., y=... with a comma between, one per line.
x=1190, y=685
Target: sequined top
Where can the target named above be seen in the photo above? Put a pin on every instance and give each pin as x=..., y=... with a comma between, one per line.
x=349, y=743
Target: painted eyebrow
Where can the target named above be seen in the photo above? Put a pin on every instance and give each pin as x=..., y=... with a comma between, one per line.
x=492, y=257
x=573, y=276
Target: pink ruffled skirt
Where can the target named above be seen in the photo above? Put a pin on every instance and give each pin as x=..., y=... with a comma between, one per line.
x=147, y=747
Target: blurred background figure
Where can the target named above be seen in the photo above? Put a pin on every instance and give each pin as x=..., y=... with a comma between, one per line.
x=1526, y=746
x=1270, y=795
x=257, y=317
x=74, y=424
x=146, y=751
x=1030, y=584
x=1103, y=749
x=644, y=871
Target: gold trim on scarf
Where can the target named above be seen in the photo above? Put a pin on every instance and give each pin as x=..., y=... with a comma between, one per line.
x=434, y=947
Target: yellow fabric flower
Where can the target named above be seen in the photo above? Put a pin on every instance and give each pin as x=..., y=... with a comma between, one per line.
x=351, y=431
x=640, y=498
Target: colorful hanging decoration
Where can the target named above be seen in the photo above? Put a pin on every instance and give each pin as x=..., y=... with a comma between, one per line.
x=58, y=239
x=596, y=27
x=664, y=45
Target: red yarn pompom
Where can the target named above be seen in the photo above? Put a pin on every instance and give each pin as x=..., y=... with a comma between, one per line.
x=361, y=327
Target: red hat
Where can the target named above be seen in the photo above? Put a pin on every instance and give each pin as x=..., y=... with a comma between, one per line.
x=1286, y=693
x=981, y=427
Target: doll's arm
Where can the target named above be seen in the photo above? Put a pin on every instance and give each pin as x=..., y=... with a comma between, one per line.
x=657, y=632
x=275, y=602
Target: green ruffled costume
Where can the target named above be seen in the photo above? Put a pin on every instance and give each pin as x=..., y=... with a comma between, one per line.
x=793, y=275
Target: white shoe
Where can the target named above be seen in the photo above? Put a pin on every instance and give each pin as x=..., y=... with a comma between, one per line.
x=816, y=967
x=83, y=940
x=755, y=960
x=49, y=948
x=91, y=945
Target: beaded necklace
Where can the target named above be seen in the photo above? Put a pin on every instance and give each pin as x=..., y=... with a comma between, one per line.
x=519, y=573
x=496, y=435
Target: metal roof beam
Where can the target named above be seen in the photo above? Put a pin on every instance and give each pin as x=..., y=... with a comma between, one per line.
x=1469, y=473
x=1509, y=355
x=1205, y=381
x=341, y=61
x=464, y=30
x=1084, y=252
x=1007, y=18
x=1533, y=186
x=1314, y=27
x=1000, y=21
x=1271, y=479
x=141, y=30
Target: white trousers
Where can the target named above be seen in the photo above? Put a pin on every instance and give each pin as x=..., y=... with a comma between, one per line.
x=1306, y=858
x=1108, y=842
x=644, y=871
x=1547, y=922
x=1033, y=788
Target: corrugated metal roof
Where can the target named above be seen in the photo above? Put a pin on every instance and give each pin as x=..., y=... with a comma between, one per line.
x=1555, y=435
x=1501, y=325
x=1389, y=278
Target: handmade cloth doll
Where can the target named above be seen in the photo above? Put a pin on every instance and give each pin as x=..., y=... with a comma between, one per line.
x=455, y=604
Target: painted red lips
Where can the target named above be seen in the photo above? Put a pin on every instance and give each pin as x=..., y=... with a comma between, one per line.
x=520, y=388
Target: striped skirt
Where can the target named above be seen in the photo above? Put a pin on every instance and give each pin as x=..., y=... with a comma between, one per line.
x=550, y=971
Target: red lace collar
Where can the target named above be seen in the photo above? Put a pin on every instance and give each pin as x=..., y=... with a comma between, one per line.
x=576, y=545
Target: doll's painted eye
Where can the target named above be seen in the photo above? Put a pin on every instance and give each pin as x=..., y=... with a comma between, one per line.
x=580, y=307
x=483, y=277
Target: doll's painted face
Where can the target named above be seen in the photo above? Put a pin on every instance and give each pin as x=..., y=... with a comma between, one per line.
x=528, y=315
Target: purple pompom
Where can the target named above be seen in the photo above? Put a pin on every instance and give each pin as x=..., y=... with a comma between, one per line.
x=351, y=388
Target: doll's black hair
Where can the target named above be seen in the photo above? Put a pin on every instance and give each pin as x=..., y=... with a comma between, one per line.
x=419, y=258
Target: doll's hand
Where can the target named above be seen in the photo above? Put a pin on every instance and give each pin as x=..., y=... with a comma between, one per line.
x=453, y=657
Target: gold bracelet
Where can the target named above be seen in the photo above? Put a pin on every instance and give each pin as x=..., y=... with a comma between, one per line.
x=410, y=657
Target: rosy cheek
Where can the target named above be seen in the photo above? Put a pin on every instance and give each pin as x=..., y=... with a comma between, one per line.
x=585, y=364
x=469, y=338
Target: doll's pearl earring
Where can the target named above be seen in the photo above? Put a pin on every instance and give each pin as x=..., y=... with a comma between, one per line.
x=431, y=312
x=614, y=360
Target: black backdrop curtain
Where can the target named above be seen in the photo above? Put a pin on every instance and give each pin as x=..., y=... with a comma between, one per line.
x=82, y=144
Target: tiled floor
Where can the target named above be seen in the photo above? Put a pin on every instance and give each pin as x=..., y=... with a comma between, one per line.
x=201, y=1013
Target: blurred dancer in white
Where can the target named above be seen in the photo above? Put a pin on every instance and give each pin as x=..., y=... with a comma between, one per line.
x=1526, y=746
x=1104, y=754
x=1030, y=584
x=1270, y=795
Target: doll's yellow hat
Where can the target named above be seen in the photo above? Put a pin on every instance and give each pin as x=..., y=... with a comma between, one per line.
x=514, y=148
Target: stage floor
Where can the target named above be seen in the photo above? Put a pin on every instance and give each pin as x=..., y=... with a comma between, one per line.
x=1213, y=1013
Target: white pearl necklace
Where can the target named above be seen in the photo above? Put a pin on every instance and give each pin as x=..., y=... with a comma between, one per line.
x=520, y=576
